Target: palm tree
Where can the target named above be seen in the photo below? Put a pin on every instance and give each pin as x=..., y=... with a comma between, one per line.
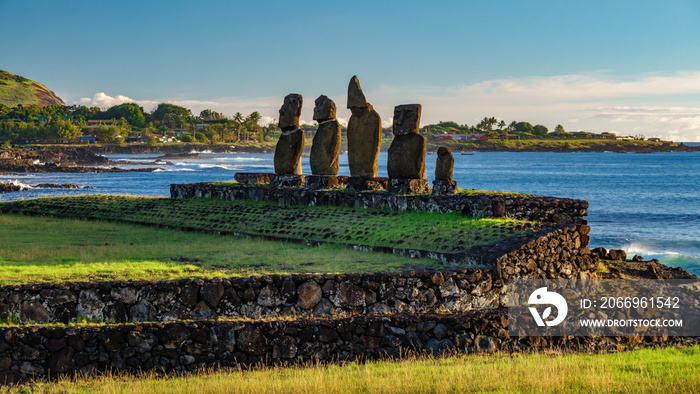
x=238, y=120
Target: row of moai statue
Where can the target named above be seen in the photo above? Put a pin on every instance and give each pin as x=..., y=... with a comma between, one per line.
x=406, y=154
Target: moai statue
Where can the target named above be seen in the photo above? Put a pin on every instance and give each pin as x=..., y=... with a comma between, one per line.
x=326, y=143
x=407, y=151
x=443, y=183
x=406, y=156
x=364, y=133
x=291, y=143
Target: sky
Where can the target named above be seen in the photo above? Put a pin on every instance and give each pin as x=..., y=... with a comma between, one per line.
x=630, y=67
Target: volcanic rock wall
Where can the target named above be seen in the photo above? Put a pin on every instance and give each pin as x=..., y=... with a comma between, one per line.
x=535, y=208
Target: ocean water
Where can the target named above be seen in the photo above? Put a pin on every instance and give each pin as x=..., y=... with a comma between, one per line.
x=646, y=204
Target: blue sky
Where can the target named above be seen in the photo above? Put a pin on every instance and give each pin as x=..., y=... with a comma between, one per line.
x=627, y=66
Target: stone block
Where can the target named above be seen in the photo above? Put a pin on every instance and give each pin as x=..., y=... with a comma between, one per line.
x=287, y=180
x=326, y=182
x=253, y=178
x=360, y=183
x=444, y=188
x=408, y=186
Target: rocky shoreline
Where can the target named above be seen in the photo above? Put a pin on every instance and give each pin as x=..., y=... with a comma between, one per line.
x=14, y=187
x=62, y=159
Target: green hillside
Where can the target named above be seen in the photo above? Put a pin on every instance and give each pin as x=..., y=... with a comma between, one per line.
x=15, y=89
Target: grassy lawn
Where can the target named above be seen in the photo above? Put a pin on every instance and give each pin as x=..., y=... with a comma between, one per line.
x=46, y=249
x=646, y=370
x=450, y=232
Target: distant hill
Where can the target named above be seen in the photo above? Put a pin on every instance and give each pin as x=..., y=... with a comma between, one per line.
x=15, y=89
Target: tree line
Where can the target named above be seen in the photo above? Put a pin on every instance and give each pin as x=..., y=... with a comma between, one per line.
x=496, y=128
x=56, y=122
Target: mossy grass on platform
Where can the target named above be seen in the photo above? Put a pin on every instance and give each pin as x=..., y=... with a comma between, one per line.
x=440, y=232
x=48, y=249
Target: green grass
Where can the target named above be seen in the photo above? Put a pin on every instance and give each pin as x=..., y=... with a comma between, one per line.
x=45, y=249
x=646, y=370
x=451, y=232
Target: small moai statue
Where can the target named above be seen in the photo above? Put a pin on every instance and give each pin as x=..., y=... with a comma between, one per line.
x=364, y=133
x=290, y=146
x=326, y=143
x=406, y=156
x=444, y=165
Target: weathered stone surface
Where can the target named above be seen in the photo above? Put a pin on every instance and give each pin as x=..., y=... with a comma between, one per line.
x=288, y=152
x=90, y=304
x=252, y=178
x=33, y=311
x=326, y=144
x=56, y=297
x=324, y=109
x=316, y=182
x=444, y=188
x=533, y=208
x=284, y=347
x=252, y=341
x=350, y=295
x=112, y=341
x=189, y=295
x=269, y=296
x=406, y=157
x=143, y=311
x=288, y=180
x=408, y=186
x=485, y=344
x=290, y=112
x=364, y=133
x=201, y=311
x=141, y=341
x=308, y=294
x=326, y=148
x=406, y=119
x=498, y=208
x=290, y=146
x=62, y=361
x=212, y=293
x=444, y=164
x=174, y=337
x=127, y=295
x=356, y=98
x=617, y=254
x=361, y=183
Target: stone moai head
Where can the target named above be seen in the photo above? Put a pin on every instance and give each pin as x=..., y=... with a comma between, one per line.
x=356, y=99
x=324, y=109
x=290, y=112
x=406, y=119
x=444, y=165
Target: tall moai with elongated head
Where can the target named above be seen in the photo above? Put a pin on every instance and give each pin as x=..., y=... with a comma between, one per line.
x=364, y=133
x=326, y=143
x=406, y=156
x=290, y=146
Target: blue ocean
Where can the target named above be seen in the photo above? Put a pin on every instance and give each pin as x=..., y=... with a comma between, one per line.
x=646, y=204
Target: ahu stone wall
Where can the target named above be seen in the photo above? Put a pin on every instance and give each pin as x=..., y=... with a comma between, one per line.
x=535, y=208
x=558, y=254
x=47, y=352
